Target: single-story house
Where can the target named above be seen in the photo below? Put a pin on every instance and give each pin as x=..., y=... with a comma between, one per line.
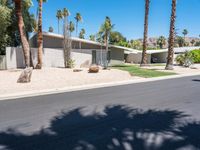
x=84, y=52
x=154, y=56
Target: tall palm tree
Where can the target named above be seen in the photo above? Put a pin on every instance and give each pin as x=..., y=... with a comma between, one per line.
x=59, y=17
x=185, y=32
x=105, y=31
x=78, y=19
x=25, y=44
x=92, y=37
x=169, y=65
x=67, y=41
x=82, y=34
x=161, y=41
x=65, y=15
x=71, y=28
x=145, y=38
x=40, y=36
x=51, y=29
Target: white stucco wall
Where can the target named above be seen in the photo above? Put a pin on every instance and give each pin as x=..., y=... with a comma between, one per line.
x=51, y=57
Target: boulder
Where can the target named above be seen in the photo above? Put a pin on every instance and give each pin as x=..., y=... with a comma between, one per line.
x=86, y=64
x=94, y=69
x=25, y=76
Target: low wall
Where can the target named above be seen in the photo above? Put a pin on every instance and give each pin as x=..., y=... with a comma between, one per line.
x=2, y=62
x=51, y=57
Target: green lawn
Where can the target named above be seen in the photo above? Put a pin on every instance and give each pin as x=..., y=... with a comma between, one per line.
x=141, y=72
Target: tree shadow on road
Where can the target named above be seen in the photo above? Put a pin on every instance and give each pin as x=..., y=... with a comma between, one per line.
x=196, y=80
x=119, y=127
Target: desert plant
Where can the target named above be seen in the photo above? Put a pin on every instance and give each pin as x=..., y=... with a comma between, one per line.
x=71, y=63
x=180, y=60
x=185, y=59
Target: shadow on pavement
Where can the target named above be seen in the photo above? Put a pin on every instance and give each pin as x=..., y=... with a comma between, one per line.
x=196, y=80
x=119, y=127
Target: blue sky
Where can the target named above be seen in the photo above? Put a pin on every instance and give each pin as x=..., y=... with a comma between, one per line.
x=127, y=15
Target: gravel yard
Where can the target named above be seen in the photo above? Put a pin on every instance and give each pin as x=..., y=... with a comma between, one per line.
x=53, y=78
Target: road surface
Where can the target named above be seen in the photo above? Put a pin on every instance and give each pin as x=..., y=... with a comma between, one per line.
x=144, y=116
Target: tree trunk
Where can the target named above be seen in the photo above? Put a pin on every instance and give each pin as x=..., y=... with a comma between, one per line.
x=106, y=41
x=77, y=29
x=67, y=45
x=24, y=41
x=40, y=37
x=170, y=58
x=144, y=53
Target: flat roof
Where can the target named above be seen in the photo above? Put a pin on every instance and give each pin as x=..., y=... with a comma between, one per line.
x=126, y=49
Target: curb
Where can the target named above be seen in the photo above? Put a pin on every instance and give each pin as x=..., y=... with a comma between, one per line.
x=87, y=87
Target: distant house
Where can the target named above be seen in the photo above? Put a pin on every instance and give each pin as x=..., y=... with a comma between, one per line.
x=84, y=52
x=154, y=56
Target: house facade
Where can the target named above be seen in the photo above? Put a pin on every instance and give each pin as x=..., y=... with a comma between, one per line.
x=84, y=52
x=154, y=56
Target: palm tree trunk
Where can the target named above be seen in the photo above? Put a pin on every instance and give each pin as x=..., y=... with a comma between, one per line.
x=106, y=41
x=170, y=58
x=77, y=29
x=144, y=53
x=25, y=44
x=40, y=37
x=65, y=42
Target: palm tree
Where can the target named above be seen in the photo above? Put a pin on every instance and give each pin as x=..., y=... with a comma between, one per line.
x=105, y=31
x=50, y=29
x=82, y=34
x=78, y=18
x=71, y=28
x=65, y=14
x=92, y=37
x=161, y=42
x=144, y=53
x=185, y=32
x=40, y=36
x=169, y=65
x=67, y=41
x=193, y=42
x=59, y=17
x=25, y=44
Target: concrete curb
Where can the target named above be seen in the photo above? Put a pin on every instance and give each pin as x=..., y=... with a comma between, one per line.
x=87, y=87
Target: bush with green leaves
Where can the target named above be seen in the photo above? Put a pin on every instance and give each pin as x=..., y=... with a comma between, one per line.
x=185, y=59
x=71, y=63
x=196, y=55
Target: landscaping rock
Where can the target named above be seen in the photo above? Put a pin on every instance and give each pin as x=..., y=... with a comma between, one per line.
x=94, y=69
x=86, y=64
x=193, y=67
x=25, y=76
x=77, y=70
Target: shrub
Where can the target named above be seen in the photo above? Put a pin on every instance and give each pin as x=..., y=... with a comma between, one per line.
x=71, y=63
x=196, y=55
x=180, y=60
x=185, y=59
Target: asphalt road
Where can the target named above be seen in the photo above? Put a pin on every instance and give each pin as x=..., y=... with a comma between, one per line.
x=145, y=116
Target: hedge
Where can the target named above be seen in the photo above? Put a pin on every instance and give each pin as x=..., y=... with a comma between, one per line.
x=196, y=55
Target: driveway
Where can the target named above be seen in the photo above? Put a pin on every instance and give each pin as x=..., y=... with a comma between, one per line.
x=145, y=116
